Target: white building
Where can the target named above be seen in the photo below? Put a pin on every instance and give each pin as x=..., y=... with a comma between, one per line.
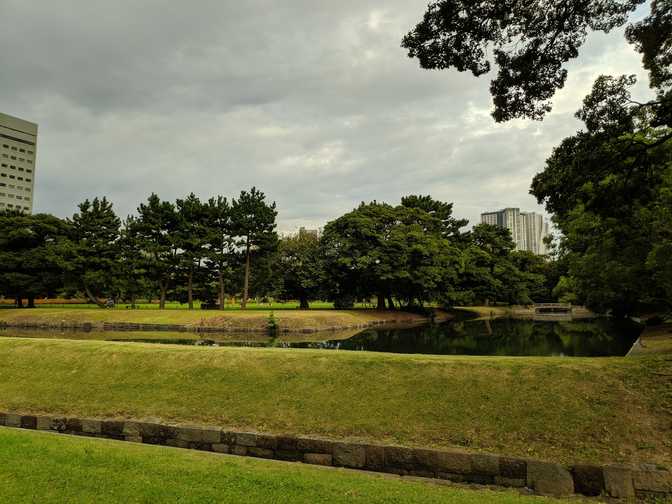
x=528, y=229
x=18, y=146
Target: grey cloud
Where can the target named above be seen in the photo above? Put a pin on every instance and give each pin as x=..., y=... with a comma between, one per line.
x=313, y=102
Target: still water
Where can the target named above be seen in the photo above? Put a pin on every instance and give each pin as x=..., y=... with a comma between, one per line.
x=592, y=338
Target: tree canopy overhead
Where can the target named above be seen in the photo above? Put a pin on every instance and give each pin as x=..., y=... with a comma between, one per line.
x=530, y=41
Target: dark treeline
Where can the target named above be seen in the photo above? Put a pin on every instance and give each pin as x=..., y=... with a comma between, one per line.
x=399, y=256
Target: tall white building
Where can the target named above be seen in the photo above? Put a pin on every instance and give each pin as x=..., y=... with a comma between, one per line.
x=18, y=146
x=528, y=229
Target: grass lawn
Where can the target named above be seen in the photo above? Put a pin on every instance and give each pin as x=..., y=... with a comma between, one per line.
x=50, y=468
x=289, y=305
x=576, y=409
x=228, y=319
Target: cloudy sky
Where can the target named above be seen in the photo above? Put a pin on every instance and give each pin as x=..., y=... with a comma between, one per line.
x=315, y=103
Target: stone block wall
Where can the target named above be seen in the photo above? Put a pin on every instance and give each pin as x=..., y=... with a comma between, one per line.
x=545, y=478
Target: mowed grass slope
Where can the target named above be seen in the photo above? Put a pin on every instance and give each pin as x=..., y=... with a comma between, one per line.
x=603, y=410
x=48, y=468
x=227, y=319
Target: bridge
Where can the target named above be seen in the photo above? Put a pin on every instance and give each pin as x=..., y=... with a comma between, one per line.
x=552, y=311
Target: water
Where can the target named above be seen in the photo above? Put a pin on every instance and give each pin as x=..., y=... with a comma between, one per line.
x=505, y=337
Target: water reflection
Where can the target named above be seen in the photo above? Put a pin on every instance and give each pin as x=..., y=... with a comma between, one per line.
x=502, y=337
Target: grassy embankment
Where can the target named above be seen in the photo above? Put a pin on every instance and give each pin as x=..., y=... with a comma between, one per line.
x=46, y=468
x=579, y=409
x=228, y=320
x=654, y=340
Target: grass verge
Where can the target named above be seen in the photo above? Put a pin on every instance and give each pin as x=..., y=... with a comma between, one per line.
x=572, y=410
x=48, y=468
x=257, y=320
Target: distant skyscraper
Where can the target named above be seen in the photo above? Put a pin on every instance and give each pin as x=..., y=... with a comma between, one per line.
x=18, y=142
x=528, y=229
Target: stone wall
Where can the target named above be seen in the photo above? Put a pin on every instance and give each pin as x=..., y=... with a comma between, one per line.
x=622, y=482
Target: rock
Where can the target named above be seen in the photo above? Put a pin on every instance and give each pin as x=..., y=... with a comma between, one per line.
x=487, y=465
x=349, y=455
x=91, y=426
x=588, y=480
x=308, y=445
x=652, y=481
x=220, y=448
x=512, y=468
x=549, y=479
x=618, y=482
x=246, y=439
x=323, y=459
x=197, y=434
x=255, y=451
x=28, y=422
x=375, y=457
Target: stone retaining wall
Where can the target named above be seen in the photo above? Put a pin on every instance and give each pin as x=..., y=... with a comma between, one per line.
x=617, y=481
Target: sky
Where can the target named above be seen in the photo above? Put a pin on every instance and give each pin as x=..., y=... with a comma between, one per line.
x=314, y=103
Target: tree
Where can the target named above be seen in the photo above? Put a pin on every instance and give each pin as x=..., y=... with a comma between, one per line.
x=32, y=255
x=253, y=224
x=301, y=267
x=154, y=230
x=492, y=269
x=95, y=249
x=132, y=272
x=191, y=236
x=220, y=244
x=391, y=252
x=607, y=188
x=441, y=214
x=531, y=42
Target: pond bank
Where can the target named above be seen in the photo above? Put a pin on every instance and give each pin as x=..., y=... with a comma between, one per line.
x=258, y=321
x=520, y=312
x=653, y=340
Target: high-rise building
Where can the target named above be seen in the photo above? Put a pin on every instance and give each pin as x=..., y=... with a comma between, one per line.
x=18, y=146
x=528, y=229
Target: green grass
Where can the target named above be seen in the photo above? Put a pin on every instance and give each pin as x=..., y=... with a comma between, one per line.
x=228, y=319
x=51, y=468
x=291, y=305
x=578, y=409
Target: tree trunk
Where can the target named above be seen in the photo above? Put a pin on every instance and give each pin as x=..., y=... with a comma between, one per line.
x=190, y=289
x=221, y=290
x=303, y=305
x=19, y=302
x=31, y=302
x=93, y=298
x=390, y=303
x=246, y=287
x=381, y=302
x=163, y=286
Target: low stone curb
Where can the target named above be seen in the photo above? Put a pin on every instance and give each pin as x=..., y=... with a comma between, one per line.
x=545, y=478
